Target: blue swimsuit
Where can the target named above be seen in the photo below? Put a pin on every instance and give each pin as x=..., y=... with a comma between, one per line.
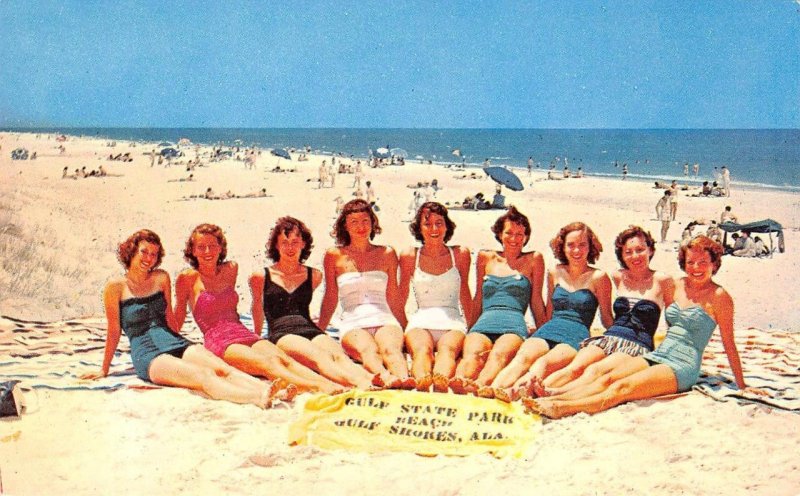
x=573, y=313
x=144, y=321
x=505, y=300
x=682, y=348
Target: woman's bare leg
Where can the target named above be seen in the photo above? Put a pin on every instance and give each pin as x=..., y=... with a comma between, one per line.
x=448, y=349
x=361, y=346
x=266, y=359
x=590, y=374
x=320, y=360
x=419, y=344
x=648, y=382
x=357, y=375
x=503, y=351
x=585, y=357
x=555, y=359
x=171, y=371
x=476, y=348
x=199, y=355
x=623, y=366
x=529, y=351
x=390, y=345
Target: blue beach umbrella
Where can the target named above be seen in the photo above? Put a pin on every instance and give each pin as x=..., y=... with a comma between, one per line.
x=278, y=152
x=505, y=177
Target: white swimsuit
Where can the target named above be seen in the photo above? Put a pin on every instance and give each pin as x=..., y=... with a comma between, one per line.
x=437, y=299
x=363, y=299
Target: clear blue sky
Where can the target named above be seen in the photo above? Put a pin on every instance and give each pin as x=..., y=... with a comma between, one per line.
x=545, y=64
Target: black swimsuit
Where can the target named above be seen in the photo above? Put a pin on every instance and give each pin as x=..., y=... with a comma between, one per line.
x=287, y=313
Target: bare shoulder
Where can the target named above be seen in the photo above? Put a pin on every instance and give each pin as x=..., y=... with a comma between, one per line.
x=161, y=276
x=410, y=252
x=461, y=253
x=663, y=279
x=387, y=252
x=114, y=286
x=486, y=255
x=616, y=276
x=316, y=277
x=722, y=298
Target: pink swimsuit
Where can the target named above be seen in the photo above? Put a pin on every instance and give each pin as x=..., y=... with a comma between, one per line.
x=216, y=315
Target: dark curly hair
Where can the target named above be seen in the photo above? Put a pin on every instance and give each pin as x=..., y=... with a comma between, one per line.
x=632, y=232
x=353, y=207
x=128, y=248
x=557, y=243
x=515, y=216
x=702, y=242
x=425, y=211
x=287, y=225
x=213, y=230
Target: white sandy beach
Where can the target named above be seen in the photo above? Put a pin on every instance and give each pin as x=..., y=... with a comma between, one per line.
x=58, y=239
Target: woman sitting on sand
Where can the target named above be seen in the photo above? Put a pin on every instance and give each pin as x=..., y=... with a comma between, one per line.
x=438, y=274
x=282, y=294
x=642, y=294
x=575, y=290
x=700, y=306
x=507, y=282
x=139, y=305
x=363, y=278
x=208, y=287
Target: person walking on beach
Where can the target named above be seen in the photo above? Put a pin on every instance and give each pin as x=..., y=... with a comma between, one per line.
x=358, y=175
x=152, y=157
x=696, y=169
x=624, y=171
x=371, y=198
x=663, y=214
x=673, y=199
x=530, y=165
x=726, y=181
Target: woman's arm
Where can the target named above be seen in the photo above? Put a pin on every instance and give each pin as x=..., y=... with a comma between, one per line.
x=331, y=297
x=183, y=290
x=537, y=284
x=480, y=273
x=602, y=290
x=723, y=314
x=165, y=284
x=111, y=298
x=392, y=291
x=256, y=282
x=463, y=261
x=407, y=263
x=667, y=290
x=551, y=284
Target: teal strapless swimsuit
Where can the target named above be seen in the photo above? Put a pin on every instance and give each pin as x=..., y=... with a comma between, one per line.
x=505, y=301
x=682, y=348
x=144, y=321
x=573, y=313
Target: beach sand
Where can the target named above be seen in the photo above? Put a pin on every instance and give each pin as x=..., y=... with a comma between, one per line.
x=59, y=236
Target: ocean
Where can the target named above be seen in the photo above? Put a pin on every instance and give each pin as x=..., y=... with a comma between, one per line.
x=757, y=158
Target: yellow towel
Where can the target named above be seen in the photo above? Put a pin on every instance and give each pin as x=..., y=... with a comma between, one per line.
x=424, y=423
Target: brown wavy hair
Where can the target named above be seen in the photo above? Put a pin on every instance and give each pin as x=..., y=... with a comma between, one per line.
x=557, y=243
x=425, y=211
x=515, y=216
x=128, y=248
x=701, y=242
x=354, y=207
x=213, y=230
x=632, y=232
x=285, y=226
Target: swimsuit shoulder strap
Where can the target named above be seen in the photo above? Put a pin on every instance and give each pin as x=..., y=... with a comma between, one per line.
x=416, y=263
x=452, y=256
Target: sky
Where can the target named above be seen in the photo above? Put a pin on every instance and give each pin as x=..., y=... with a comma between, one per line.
x=407, y=64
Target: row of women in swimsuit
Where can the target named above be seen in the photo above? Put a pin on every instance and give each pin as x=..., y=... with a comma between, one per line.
x=480, y=345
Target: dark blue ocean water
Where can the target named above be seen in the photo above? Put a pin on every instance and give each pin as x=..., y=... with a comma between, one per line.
x=767, y=158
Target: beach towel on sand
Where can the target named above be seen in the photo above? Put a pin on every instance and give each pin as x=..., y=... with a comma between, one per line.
x=770, y=362
x=424, y=423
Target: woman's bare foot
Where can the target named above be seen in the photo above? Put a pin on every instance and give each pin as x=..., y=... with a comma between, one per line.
x=441, y=384
x=424, y=384
x=378, y=382
x=287, y=393
x=537, y=388
x=485, y=392
x=462, y=385
x=503, y=395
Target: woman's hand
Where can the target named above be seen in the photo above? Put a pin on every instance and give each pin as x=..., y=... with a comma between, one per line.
x=94, y=375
